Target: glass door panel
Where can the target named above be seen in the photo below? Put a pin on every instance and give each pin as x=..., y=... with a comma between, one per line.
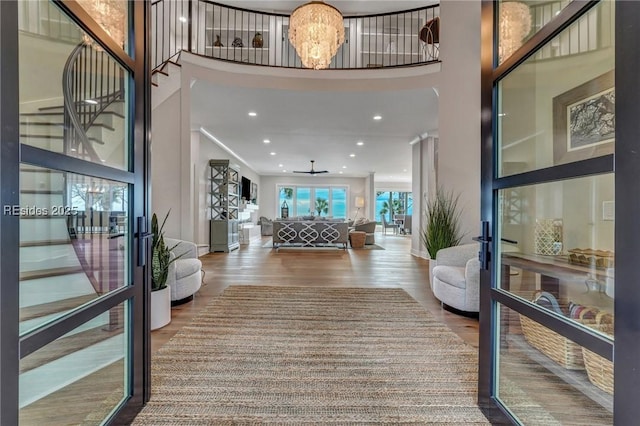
x=73, y=95
x=546, y=379
x=561, y=109
x=560, y=254
x=321, y=202
x=339, y=203
x=302, y=201
x=79, y=378
x=74, y=242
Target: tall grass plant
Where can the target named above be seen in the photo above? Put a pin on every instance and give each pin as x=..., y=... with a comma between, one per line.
x=442, y=228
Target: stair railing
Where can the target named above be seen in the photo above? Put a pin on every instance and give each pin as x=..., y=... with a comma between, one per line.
x=91, y=81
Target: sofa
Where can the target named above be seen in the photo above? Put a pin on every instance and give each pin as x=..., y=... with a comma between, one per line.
x=310, y=233
x=456, y=277
x=184, y=274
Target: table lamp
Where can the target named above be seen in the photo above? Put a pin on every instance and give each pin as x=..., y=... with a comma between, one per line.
x=359, y=205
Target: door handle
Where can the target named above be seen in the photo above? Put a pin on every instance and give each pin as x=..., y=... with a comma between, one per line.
x=484, y=256
x=143, y=236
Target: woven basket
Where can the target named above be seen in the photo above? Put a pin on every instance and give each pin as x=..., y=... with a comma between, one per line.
x=357, y=238
x=560, y=349
x=599, y=369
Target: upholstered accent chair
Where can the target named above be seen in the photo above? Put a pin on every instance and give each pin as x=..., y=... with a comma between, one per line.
x=184, y=274
x=369, y=228
x=266, y=226
x=456, y=277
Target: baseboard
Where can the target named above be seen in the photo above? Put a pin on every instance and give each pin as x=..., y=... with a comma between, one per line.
x=203, y=249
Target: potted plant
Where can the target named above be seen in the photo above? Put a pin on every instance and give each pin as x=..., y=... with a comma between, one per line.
x=160, y=261
x=442, y=224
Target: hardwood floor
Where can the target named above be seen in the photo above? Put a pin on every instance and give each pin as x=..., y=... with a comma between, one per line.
x=254, y=265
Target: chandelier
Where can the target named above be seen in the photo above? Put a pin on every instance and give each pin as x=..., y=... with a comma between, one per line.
x=515, y=25
x=110, y=15
x=316, y=31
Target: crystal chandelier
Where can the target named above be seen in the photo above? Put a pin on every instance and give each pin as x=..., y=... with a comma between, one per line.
x=515, y=25
x=316, y=31
x=110, y=15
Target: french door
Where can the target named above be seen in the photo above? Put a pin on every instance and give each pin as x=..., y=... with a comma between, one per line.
x=560, y=204
x=73, y=168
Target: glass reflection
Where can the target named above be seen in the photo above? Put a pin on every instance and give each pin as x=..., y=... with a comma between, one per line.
x=558, y=106
x=563, y=258
x=546, y=379
x=79, y=378
x=73, y=242
x=73, y=95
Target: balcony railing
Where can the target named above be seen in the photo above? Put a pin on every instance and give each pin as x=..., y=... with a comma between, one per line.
x=239, y=35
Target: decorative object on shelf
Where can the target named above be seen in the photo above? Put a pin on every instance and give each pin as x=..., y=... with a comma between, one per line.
x=548, y=236
x=430, y=32
x=237, y=42
x=584, y=120
x=391, y=47
x=218, y=43
x=515, y=25
x=257, y=41
x=284, y=210
x=316, y=30
x=110, y=15
x=602, y=259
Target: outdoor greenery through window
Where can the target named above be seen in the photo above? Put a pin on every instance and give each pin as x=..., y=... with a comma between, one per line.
x=390, y=203
x=325, y=201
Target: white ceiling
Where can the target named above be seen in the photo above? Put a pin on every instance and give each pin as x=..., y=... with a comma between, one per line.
x=347, y=7
x=320, y=126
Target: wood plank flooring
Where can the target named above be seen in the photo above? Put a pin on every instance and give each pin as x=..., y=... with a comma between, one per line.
x=254, y=265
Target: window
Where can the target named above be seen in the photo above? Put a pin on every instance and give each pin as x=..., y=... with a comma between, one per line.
x=389, y=203
x=326, y=201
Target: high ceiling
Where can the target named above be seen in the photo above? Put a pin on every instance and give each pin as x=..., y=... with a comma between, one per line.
x=324, y=126
x=347, y=7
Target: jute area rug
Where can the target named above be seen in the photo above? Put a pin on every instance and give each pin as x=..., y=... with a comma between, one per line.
x=313, y=356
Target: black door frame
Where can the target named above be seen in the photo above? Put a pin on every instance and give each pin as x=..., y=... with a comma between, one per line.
x=627, y=189
x=13, y=347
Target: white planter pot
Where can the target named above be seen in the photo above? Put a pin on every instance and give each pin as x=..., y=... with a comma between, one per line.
x=160, y=308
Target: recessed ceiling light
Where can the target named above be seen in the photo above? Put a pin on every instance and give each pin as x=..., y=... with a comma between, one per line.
x=404, y=170
x=344, y=167
x=284, y=170
x=73, y=150
x=183, y=19
x=266, y=141
x=280, y=165
x=360, y=143
x=502, y=114
x=91, y=102
x=352, y=155
x=252, y=114
x=377, y=117
x=340, y=172
x=272, y=153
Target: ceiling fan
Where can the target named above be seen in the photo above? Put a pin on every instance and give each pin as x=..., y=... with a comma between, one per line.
x=312, y=171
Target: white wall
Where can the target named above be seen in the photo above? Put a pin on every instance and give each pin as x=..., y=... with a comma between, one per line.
x=165, y=163
x=269, y=197
x=459, y=114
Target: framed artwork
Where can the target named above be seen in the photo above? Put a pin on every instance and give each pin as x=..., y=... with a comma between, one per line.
x=254, y=193
x=584, y=121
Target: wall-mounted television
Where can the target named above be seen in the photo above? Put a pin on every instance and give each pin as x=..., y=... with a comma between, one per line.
x=245, y=191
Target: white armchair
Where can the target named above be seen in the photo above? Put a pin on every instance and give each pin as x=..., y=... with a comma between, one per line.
x=456, y=277
x=184, y=274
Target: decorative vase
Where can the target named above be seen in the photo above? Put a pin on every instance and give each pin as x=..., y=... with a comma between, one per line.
x=257, y=41
x=160, y=308
x=218, y=43
x=237, y=42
